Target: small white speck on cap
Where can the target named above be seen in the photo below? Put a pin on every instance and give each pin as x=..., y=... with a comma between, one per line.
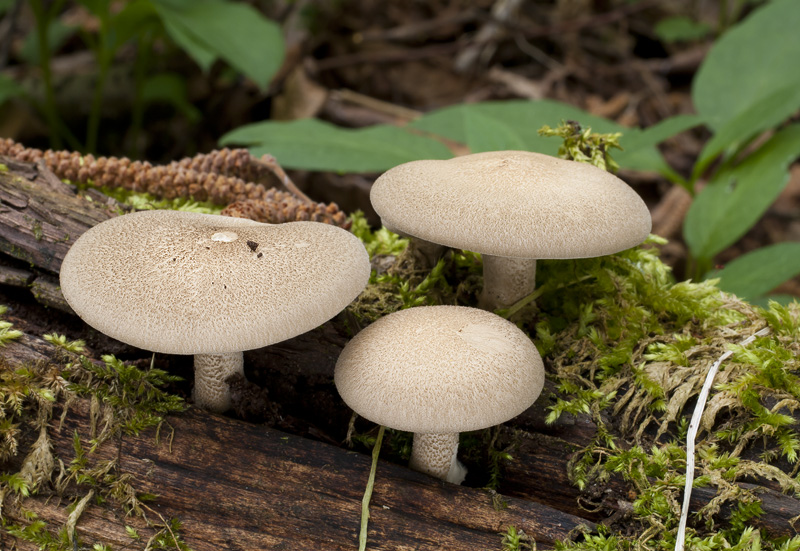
x=225, y=236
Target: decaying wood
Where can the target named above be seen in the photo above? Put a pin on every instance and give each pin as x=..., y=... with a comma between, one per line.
x=40, y=216
x=241, y=486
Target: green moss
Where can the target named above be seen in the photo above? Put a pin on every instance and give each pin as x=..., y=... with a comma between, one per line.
x=140, y=200
x=127, y=399
x=628, y=345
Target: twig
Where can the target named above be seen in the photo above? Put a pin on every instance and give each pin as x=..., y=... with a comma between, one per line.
x=694, y=426
x=391, y=109
x=271, y=163
x=418, y=30
x=376, y=450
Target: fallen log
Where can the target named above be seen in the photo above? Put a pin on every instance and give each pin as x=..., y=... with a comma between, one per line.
x=236, y=485
x=38, y=220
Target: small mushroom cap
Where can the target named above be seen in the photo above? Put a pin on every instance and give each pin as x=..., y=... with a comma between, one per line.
x=188, y=283
x=513, y=204
x=440, y=369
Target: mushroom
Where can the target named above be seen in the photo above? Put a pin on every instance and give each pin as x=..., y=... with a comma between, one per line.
x=513, y=207
x=212, y=286
x=437, y=371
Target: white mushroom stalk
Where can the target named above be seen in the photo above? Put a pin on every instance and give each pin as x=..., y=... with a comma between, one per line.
x=211, y=371
x=437, y=455
x=506, y=281
x=437, y=371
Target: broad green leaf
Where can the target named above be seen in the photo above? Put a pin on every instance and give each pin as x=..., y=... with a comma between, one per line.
x=312, y=144
x=762, y=115
x=133, y=20
x=491, y=134
x=654, y=135
x=9, y=89
x=737, y=197
x=749, y=62
x=484, y=126
x=680, y=27
x=170, y=88
x=202, y=54
x=764, y=301
x=233, y=31
x=760, y=271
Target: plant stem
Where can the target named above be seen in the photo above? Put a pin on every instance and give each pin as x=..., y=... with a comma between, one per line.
x=144, y=43
x=376, y=450
x=43, y=17
x=105, y=54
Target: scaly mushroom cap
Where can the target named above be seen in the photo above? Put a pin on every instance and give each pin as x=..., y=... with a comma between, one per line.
x=188, y=283
x=512, y=204
x=440, y=369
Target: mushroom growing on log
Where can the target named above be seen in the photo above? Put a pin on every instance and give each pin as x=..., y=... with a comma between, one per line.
x=513, y=207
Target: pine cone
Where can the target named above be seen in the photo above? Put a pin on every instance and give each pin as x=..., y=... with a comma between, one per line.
x=284, y=207
x=224, y=177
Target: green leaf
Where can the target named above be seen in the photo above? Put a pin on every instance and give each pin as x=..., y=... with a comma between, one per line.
x=749, y=62
x=760, y=116
x=9, y=89
x=170, y=88
x=760, y=271
x=133, y=20
x=233, y=31
x=316, y=145
x=198, y=50
x=492, y=125
x=680, y=28
x=488, y=133
x=764, y=301
x=654, y=135
x=737, y=196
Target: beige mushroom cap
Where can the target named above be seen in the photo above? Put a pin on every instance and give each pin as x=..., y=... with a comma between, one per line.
x=512, y=204
x=188, y=283
x=440, y=369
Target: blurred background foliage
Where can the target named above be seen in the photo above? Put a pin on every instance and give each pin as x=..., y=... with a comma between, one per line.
x=705, y=93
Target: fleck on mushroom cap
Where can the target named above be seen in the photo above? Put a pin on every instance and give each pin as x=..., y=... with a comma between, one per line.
x=513, y=204
x=188, y=283
x=440, y=369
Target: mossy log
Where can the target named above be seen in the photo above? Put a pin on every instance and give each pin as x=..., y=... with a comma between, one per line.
x=237, y=485
x=40, y=218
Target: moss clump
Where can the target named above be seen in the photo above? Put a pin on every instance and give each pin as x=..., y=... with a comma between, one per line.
x=140, y=200
x=124, y=399
x=628, y=345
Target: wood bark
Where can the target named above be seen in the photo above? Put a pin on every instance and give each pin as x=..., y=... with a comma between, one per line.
x=241, y=486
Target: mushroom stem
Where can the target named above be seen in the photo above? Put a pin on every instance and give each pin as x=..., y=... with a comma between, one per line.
x=426, y=253
x=211, y=392
x=506, y=280
x=435, y=454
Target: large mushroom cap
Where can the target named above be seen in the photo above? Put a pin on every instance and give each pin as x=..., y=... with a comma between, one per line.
x=512, y=204
x=188, y=283
x=440, y=369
